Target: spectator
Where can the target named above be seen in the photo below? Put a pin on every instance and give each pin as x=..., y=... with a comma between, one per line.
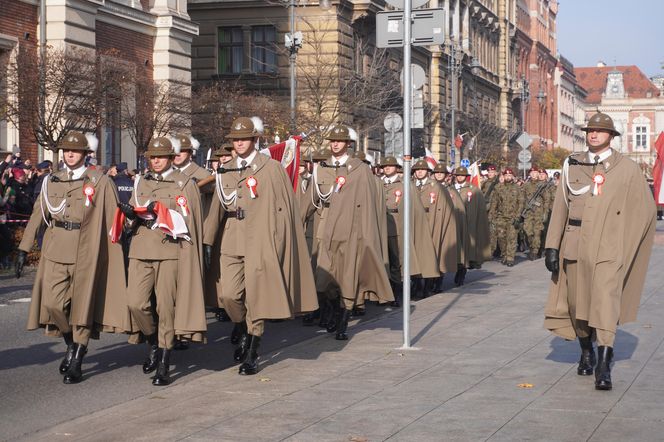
x=43, y=169
x=123, y=182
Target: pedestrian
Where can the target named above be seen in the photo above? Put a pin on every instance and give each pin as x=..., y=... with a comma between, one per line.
x=598, y=247
x=79, y=288
x=165, y=257
x=349, y=261
x=507, y=204
x=265, y=267
x=441, y=215
x=423, y=261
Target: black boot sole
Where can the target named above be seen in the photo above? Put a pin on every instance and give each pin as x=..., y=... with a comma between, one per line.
x=603, y=385
x=159, y=381
x=247, y=370
x=584, y=371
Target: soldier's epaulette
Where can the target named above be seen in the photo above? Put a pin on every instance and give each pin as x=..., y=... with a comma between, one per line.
x=331, y=166
x=231, y=169
x=576, y=161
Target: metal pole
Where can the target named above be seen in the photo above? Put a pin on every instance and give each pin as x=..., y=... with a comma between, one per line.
x=291, y=62
x=42, y=70
x=454, y=87
x=407, y=99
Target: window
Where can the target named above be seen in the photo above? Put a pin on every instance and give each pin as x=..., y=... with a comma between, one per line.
x=641, y=137
x=263, y=55
x=230, y=50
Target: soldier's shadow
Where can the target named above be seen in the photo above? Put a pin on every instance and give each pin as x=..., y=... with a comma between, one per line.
x=36, y=354
x=569, y=351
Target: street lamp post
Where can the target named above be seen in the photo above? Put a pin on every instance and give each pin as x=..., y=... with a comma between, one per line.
x=455, y=69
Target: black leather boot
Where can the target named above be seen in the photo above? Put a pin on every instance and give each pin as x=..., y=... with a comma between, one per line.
x=429, y=287
x=222, y=316
x=438, y=287
x=241, y=350
x=239, y=330
x=308, y=319
x=342, y=325
x=181, y=345
x=460, y=276
x=74, y=374
x=250, y=364
x=397, y=289
x=162, y=377
x=334, y=320
x=587, y=361
x=324, y=313
x=603, y=368
x=69, y=354
x=152, y=359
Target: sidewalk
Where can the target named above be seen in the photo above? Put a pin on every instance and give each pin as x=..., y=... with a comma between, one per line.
x=485, y=369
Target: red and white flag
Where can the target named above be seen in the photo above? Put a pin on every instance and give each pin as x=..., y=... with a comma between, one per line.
x=474, y=171
x=429, y=158
x=288, y=154
x=658, y=170
x=458, y=141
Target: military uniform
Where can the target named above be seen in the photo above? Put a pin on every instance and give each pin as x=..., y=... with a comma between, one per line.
x=602, y=228
x=478, y=248
x=507, y=204
x=79, y=289
x=536, y=203
x=488, y=187
x=264, y=260
x=165, y=257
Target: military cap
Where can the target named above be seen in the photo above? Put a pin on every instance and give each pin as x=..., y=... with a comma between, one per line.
x=440, y=168
x=162, y=146
x=75, y=140
x=241, y=128
x=533, y=169
x=339, y=133
x=491, y=167
x=508, y=171
x=461, y=171
x=321, y=155
x=225, y=150
x=556, y=174
x=420, y=164
x=121, y=167
x=389, y=161
x=541, y=170
x=603, y=122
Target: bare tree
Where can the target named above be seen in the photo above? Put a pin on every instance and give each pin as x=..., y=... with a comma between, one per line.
x=485, y=138
x=61, y=100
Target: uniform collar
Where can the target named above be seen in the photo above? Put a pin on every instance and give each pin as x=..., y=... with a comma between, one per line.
x=392, y=179
x=249, y=159
x=422, y=182
x=342, y=159
x=603, y=156
x=78, y=172
x=183, y=168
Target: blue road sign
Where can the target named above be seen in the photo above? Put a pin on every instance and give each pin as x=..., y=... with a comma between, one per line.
x=465, y=162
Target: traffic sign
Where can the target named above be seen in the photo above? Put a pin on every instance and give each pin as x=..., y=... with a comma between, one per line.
x=393, y=122
x=417, y=76
x=524, y=140
x=393, y=143
x=465, y=162
x=525, y=156
x=427, y=28
x=525, y=166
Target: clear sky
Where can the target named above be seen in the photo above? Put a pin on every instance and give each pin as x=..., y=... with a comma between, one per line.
x=614, y=31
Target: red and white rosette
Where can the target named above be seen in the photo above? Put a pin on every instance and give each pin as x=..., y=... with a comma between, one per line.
x=252, y=184
x=469, y=195
x=432, y=197
x=397, y=196
x=89, y=192
x=341, y=180
x=599, y=180
x=181, y=201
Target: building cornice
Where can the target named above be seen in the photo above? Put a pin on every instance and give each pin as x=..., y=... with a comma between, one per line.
x=143, y=22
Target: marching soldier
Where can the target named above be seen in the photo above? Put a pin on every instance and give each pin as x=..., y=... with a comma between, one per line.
x=441, y=215
x=507, y=204
x=598, y=247
x=534, y=212
x=165, y=258
x=264, y=260
x=423, y=261
x=350, y=261
x=79, y=289
x=488, y=187
x=476, y=218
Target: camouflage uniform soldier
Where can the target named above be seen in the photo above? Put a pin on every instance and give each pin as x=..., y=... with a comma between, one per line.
x=536, y=207
x=506, y=204
x=488, y=188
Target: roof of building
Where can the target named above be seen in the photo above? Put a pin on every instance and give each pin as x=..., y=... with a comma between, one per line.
x=593, y=79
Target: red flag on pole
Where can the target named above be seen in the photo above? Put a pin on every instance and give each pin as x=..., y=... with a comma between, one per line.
x=458, y=141
x=658, y=170
x=288, y=154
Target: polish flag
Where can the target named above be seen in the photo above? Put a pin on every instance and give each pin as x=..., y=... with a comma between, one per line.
x=658, y=170
x=474, y=171
x=288, y=154
x=458, y=141
x=428, y=157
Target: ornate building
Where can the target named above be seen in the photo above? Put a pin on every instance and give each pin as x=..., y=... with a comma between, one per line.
x=154, y=34
x=571, y=98
x=635, y=103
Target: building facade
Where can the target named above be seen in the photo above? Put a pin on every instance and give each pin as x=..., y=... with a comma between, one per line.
x=153, y=34
x=571, y=99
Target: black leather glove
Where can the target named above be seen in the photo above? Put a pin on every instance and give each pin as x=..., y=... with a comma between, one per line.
x=150, y=208
x=517, y=222
x=207, y=256
x=20, y=262
x=128, y=211
x=552, y=260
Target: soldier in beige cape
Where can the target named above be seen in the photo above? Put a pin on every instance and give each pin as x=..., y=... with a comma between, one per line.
x=79, y=289
x=350, y=261
x=476, y=218
x=265, y=266
x=423, y=260
x=602, y=228
x=165, y=257
x=440, y=212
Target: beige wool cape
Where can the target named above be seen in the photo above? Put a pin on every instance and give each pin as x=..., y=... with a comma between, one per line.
x=98, y=284
x=463, y=240
x=423, y=258
x=278, y=277
x=442, y=222
x=614, y=245
x=477, y=223
x=350, y=244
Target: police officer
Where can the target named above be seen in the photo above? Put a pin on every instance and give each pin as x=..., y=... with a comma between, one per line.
x=165, y=257
x=80, y=285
